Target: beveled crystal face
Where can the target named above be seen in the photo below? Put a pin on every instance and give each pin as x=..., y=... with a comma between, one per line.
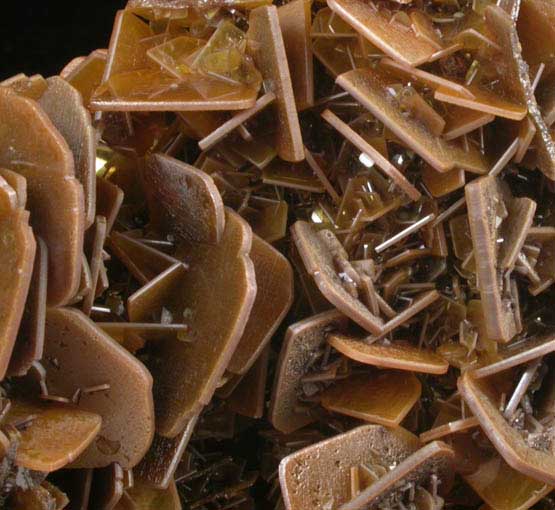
x=174, y=70
x=45, y=446
x=396, y=391
x=48, y=168
x=506, y=411
x=329, y=464
x=336, y=44
x=177, y=55
x=223, y=56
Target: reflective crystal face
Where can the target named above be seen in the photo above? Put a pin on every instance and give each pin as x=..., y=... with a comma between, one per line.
x=176, y=70
x=176, y=55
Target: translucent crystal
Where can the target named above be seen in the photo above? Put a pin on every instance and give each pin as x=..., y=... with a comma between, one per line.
x=176, y=56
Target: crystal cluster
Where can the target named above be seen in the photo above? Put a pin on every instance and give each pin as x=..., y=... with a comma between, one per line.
x=283, y=256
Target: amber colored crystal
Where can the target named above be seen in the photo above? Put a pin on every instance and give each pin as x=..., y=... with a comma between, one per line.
x=200, y=124
x=489, y=350
x=398, y=355
x=406, y=257
x=294, y=21
x=152, y=90
x=509, y=355
x=32, y=87
x=223, y=56
x=75, y=342
x=460, y=236
x=461, y=121
x=179, y=9
x=454, y=425
x=158, y=466
x=61, y=229
x=368, y=194
x=373, y=93
x=136, y=76
x=482, y=396
x=515, y=229
x=274, y=296
x=183, y=201
x=47, y=165
x=319, y=261
x=87, y=76
x=127, y=52
x=526, y=133
x=239, y=190
x=109, y=198
x=55, y=436
x=412, y=103
x=268, y=52
x=340, y=54
x=107, y=485
x=502, y=487
x=383, y=398
x=517, y=82
x=457, y=355
x=134, y=335
x=43, y=497
x=17, y=256
x=64, y=106
x=216, y=307
x=374, y=154
x=535, y=30
x=95, y=261
x=121, y=170
x=248, y=397
x=258, y=152
x=18, y=183
x=431, y=80
x=393, y=280
x=484, y=102
x=235, y=122
x=291, y=175
x=302, y=341
x=142, y=261
x=435, y=458
x=30, y=340
x=388, y=35
x=324, y=468
x=442, y=183
x=85, y=284
x=144, y=496
x=545, y=242
x=176, y=55
x=424, y=29
x=74, y=64
x=493, y=215
x=327, y=25
x=270, y=221
x=417, y=305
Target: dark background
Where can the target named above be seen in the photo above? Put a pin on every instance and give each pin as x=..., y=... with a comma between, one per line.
x=42, y=36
